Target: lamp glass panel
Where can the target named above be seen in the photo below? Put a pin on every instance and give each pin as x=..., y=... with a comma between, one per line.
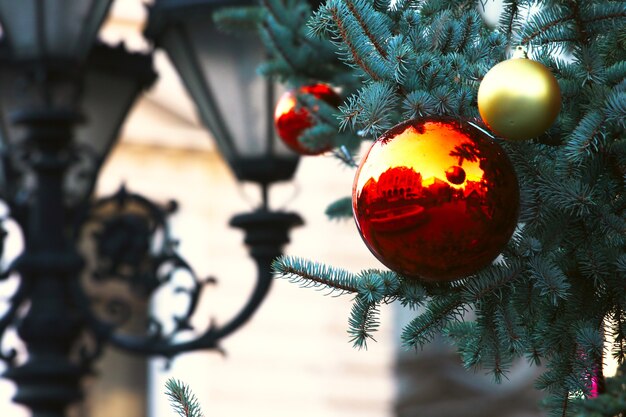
x=19, y=23
x=52, y=28
x=106, y=100
x=182, y=54
x=228, y=63
x=64, y=36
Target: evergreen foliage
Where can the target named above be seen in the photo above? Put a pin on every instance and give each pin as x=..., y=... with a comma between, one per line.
x=559, y=287
x=183, y=401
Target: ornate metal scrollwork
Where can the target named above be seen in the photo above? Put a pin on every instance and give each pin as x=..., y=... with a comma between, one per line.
x=132, y=245
x=128, y=246
x=14, y=301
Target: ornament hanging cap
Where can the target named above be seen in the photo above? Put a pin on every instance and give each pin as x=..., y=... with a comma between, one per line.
x=520, y=52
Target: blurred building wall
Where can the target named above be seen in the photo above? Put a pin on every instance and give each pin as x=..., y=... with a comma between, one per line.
x=432, y=382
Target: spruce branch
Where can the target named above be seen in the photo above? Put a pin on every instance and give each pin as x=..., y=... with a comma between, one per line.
x=317, y=137
x=509, y=329
x=510, y=11
x=356, y=57
x=618, y=331
x=439, y=312
x=497, y=360
x=321, y=111
x=355, y=7
x=372, y=287
x=344, y=154
x=340, y=209
x=586, y=138
x=549, y=279
x=543, y=25
x=412, y=294
x=279, y=12
x=616, y=109
x=233, y=19
x=491, y=280
x=274, y=41
x=419, y=103
x=371, y=110
x=603, y=16
x=363, y=322
x=342, y=37
x=314, y=274
x=577, y=15
x=182, y=399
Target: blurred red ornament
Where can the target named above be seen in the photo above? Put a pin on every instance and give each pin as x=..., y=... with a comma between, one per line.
x=435, y=199
x=290, y=120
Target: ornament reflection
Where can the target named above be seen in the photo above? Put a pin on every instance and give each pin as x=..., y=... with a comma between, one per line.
x=436, y=199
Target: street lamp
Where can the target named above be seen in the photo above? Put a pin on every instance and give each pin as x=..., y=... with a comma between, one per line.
x=63, y=104
x=42, y=169
x=219, y=72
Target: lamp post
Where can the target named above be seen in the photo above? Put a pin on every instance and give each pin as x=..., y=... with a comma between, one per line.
x=56, y=131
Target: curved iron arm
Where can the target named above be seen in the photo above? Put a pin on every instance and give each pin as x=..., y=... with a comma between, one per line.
x=265, y=234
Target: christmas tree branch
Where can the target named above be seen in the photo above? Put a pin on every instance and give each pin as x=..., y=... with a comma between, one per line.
x=277, y=47
x=619, y=14
x=618, y=332
x=371, y=109
x=439, y=311
x=498, y=364
x=543, y=28
x=549, y=279
x=313, y=274
x=321, y=112
x=510, y=10
x=490, y=281
x=363, y=322
x=356, y=58
x=583, y=36
x=340, y=209
x=182, y=399
x=565, y=404
x=508, y=329
x=582, y=21
x=364, y=26
x=231, y=19
x=279, y=12
x=291, y=17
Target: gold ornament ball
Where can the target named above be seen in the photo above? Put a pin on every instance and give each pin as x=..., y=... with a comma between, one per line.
x=519, y=98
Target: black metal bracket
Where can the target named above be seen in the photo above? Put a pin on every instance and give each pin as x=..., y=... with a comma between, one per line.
x=265, y=234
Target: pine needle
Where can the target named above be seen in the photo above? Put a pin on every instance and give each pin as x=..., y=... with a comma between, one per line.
x=182, y=399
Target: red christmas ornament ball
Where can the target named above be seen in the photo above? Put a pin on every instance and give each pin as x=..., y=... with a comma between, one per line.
x=435, y=199
x=290, y=120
